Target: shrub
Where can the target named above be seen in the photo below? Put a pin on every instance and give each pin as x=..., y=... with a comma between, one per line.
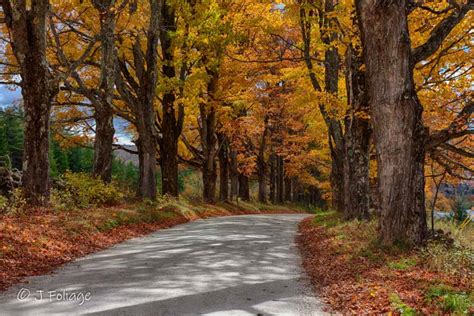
x=3, y=202
x=449, y=259
x=81, y=190
x=15, y=204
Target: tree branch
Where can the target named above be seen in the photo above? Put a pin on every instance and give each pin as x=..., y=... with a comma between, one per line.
x=440, y=32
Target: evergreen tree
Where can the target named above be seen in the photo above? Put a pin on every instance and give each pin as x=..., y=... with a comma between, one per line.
x=11, y=137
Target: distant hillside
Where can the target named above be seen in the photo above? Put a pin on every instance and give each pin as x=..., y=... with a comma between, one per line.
x=126, y=156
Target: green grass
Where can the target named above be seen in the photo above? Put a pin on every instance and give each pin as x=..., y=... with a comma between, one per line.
x=370, y=255
x=449, y=300
x=403, y=264
x=400, y=306
x=328, y=219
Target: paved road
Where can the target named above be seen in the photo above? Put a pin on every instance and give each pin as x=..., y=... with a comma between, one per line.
x=240, y=265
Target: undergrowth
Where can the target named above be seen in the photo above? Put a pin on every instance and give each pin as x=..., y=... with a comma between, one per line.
x=358, y=276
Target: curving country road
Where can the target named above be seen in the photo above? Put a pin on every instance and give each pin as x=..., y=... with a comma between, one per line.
x=239, y=265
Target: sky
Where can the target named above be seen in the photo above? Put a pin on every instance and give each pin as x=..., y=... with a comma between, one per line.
x=7, y=97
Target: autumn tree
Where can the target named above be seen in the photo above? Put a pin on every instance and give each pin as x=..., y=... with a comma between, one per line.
x=88, y=74
x=136, y=83
x=400, y=135
x=27, y=25
x=349, y=137
x=104, y=118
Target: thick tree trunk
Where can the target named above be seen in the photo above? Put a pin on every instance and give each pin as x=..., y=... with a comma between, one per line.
x=169, y=154
x=223, y=168
x=140, y=94
x=357, y=140
x=207, y=131
x=234, y=176
x=397, y=120
x=170, y=125
x=104, y=139
x=209, y=178
x=244, y=188
x=337, y=180
x=36, y=97
x=209, y=167
x=357, y=187
x=103, y=153
x=27, y=27
x=146, y=146
x=209, y=145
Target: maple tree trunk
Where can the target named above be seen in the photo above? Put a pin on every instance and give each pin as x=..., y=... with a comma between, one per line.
x=36, y=97
x=357, y=189
x=397, y=120
x=27, y=26
x=223, y=168
x=280, y=179
x=169, y=154
x=208, y=136
x=331, y=78
x=357, y=141
x=337, y=181
x=142, y=99
x=288, y=188
x=262, y=173
x=209, y=168
x=262, y=182
x=104, y=139
x=170, y=127
x=244, y=188
x=234, y=176
x=273, y=194
x=146, y=147
x=209, y=178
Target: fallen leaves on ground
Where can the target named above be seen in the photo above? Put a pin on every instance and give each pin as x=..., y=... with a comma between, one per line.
x=355, y=276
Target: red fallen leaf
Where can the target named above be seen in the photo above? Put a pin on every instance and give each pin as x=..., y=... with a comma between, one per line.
x=345, y=282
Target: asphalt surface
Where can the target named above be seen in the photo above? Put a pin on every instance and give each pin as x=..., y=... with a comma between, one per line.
x=239, y=265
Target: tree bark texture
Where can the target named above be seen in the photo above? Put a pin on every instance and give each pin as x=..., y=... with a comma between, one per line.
x=280, y=179
x=273, y=178
x=357, y=141
x=223, y=167
x=234, y=176
x=244, y=187
x=140, y=95
x=104, y=131
x=208, y=137
x=397, y=120
x=171, y=126
x=262, y=167
x=27, y=26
